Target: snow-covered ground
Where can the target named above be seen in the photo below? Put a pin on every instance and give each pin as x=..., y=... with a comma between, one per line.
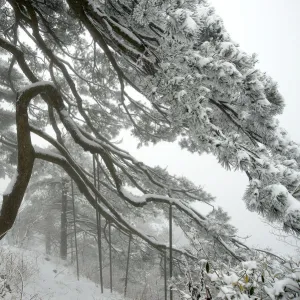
x=46, y=278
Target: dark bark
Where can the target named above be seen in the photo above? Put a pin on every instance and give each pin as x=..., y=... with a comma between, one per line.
x=171, y=246
x=127, y=266
x=104, y=39
x=75, y=229
x=63, y=222
x=12, y=199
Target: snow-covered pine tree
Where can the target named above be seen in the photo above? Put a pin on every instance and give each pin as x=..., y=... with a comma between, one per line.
x=71, y=64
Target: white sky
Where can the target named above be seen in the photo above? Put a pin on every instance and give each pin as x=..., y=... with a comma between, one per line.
x=269, y=28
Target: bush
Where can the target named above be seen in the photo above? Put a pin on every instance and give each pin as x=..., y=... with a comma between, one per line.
x=14, y=270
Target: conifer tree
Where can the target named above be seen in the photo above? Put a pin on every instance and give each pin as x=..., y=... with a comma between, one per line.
x=72, y=64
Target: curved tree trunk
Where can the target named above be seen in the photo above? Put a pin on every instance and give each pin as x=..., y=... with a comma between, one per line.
x=13, y=196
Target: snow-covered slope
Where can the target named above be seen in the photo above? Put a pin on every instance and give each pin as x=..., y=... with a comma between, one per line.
x=47, y=278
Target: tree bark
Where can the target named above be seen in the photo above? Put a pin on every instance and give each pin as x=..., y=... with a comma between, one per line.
x=48, y=235
x=63, y=222
x=13, y=196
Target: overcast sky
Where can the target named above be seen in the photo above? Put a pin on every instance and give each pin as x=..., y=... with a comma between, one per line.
x=269, y=28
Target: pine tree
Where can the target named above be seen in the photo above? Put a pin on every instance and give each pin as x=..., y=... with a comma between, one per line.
x=71, y=65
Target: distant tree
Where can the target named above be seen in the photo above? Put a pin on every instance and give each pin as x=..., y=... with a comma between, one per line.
x=73, y=65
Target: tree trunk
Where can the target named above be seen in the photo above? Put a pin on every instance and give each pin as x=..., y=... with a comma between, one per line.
x=63, y=222
x=48, y=235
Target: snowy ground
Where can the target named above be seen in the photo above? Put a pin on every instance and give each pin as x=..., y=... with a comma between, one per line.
x=48, y=278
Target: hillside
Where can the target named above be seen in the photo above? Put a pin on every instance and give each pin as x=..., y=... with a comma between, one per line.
x=44, y=278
